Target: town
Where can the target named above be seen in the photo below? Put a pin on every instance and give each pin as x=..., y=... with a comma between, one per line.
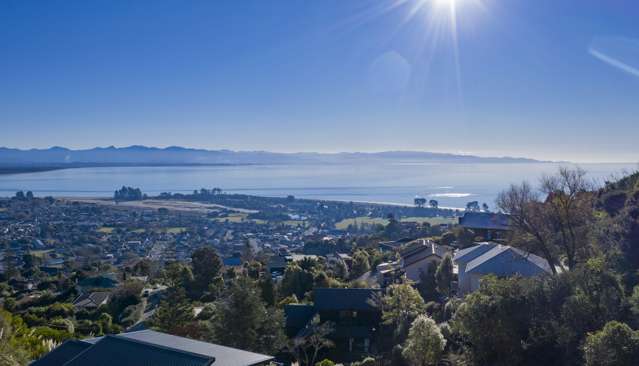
x=282, y=280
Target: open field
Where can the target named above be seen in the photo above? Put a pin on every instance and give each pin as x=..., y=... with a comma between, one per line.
x=342, y=225
x=154, y=204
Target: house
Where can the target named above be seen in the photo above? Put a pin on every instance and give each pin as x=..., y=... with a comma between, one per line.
x=488, y=225
x=354, y=314
x=416, y=258
x=147, y=347
x=490, y=258
x=91, y=300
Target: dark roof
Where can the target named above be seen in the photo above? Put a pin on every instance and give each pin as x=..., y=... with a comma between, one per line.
x=150, y=348
x=416, y=254
x=232, y=262
x=344, y=298
x=91, y=299
x=116, y=350
x=485, y=220
x=298, y=315
x=224, y=356
x=62, y=353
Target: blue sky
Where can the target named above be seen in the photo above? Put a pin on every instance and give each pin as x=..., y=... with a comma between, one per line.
x=543, y=79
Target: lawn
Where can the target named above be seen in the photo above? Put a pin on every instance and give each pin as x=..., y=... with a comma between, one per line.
x=106, y=230
x=175, y=230
x=235, y=217
x=431, y=220
x=342, y=225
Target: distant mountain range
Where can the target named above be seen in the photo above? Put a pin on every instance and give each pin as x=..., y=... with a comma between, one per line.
x=60, y=157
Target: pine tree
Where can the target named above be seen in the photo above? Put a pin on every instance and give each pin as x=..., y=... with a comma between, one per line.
x=175, y=313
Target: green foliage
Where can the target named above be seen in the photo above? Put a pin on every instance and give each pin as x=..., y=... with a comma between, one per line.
x=297, y=281
x=425, y=343
x=615, y=345
x=427, y=286
x=267, y=290
x=242, y=320
x=537, y=321
x=444, y=276
x=400, y=306
x=361, y=264
x=307, y=346
x=206, y=266
x=60, y=310
x=325, y=362
x=175, y=313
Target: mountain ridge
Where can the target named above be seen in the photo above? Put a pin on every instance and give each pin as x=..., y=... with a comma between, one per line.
x=177, y=155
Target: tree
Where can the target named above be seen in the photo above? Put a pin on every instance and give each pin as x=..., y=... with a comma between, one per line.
x=400, y=306
x=206, y=267
x=296, y=281
x=311, y=341
x=493, y=322
x=634, y=303
x=242, y=321
x=11, y=351
x=176, y=274
x=420, y=202
x=361, y=264
x=557, y=228
x=427, y=285
x=267, y=290
x=472, y=206
x=444, y=275
x=433, y=204
x=175, y=313
x=425, y=343
x=614, y=345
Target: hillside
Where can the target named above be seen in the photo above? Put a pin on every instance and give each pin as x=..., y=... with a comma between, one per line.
x=179, y=155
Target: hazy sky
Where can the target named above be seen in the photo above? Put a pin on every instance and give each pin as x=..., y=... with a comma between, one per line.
x=546, y=79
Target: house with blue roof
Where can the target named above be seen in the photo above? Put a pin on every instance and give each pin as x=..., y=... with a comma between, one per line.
x=489, y=225
x=147, y=347
x=489, y=258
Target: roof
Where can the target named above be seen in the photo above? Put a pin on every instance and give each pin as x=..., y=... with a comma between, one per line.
x=117, y=350
x=485, y=220
x=503, y=260
x=147, y=347
x=63, y=353
x=224, y=356
x=470, y=253
x=298, y=315
x=93, y=299
x=344, y=298
x=416, y=254
x=232, y=262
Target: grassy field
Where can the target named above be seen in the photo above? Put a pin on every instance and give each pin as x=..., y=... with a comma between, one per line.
x=236, y=217
x=174, y=230
x=342, y=225
x=40, y=253
x=431, y=220
x=378, y=220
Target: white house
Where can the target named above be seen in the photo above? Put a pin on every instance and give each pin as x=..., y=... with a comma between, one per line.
x=500, y=260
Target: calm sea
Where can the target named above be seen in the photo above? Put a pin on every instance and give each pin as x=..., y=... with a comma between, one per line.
x=451, y=184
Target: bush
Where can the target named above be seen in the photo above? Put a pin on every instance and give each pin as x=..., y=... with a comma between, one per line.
x=615, y=345
x=325, y=362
